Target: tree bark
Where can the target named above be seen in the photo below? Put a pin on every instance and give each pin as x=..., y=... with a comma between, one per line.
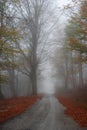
x=80, y=72
x=34, y=81
x=66, y=71
x=1, y=95
x=72, y=71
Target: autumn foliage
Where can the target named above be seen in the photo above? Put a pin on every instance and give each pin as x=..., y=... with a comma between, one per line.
x=12, y=107
x=73, y=110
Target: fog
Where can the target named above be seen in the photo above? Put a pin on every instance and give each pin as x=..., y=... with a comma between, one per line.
x=39, y=55
x=43, y=64
x=46, y=86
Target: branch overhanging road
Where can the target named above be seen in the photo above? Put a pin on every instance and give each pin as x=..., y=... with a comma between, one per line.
x=46, y=114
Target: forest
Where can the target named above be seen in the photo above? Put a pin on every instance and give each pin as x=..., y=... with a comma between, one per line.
x=43, y=51
x=25, y=44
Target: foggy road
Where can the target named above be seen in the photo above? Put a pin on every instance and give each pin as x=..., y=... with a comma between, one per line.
x=46, y=114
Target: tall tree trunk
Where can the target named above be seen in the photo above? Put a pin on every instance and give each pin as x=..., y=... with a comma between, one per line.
x=66, y=71
x=80, y=71
x=1, y=95
x=72, y=71
x=12, y=78
x=34, y=81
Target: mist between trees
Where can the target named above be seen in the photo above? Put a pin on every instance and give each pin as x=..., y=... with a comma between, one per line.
x=33, y=34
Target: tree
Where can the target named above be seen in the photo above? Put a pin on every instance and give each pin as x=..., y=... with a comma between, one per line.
x=33, y=20
x=77, y=36
x=8, y=37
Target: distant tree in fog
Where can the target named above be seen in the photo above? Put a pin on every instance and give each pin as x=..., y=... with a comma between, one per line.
x=34, y=21
x=8, y=37
x=74, y=49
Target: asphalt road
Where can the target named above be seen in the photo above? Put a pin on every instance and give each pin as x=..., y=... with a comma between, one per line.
x=46, y=114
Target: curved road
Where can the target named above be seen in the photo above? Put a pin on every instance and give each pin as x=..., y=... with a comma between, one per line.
x=46, y=114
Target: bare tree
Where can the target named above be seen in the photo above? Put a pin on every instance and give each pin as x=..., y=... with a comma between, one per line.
x=35, y=27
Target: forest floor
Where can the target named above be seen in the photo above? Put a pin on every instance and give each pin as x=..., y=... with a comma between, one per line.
x=15, y=106
x=76, y=102
x=46, y=114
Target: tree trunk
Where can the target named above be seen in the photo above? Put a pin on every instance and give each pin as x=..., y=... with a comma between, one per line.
x=66, y=71
x=34, y=81
x=1, y=30
x=72, y=71
x=80, y=71
x=1, y=95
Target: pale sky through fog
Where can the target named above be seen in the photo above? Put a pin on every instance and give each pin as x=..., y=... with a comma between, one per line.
x=62, y=2
x=48, y=82
x=59, y=8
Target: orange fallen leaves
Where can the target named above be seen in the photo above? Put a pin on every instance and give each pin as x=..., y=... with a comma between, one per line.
x=73, y=110
x=12, y=107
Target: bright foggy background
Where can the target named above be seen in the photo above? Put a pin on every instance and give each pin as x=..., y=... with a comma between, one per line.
x=48, y=84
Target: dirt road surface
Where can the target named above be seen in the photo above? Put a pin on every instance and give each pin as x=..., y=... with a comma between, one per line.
x=46, y=114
